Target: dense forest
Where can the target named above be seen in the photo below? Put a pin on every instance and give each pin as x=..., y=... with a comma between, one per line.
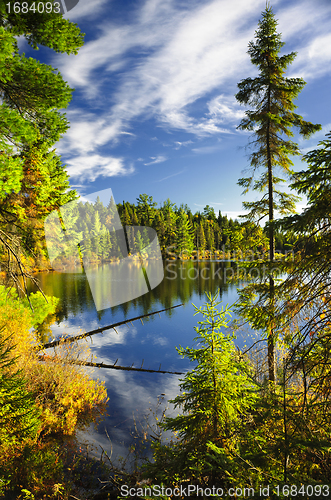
x=181, y=234
x=258, y=419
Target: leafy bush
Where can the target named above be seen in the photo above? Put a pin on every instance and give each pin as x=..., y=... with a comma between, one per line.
x=43, y=400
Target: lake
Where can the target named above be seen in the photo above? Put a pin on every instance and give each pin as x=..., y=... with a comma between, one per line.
x=151, y=343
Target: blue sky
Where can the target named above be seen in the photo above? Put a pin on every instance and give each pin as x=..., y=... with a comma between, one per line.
x=154, y=109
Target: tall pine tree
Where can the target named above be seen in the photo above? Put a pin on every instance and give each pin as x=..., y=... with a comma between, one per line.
x=271, y=95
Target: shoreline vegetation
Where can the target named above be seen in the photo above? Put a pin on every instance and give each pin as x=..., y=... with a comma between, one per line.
x=181, y=236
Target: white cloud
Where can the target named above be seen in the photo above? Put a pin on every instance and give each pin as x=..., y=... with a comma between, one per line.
x=182, y=52
x=180, y=144
x=155, y=339
x=90, y=167
x=207, y=149
x=156, y=159
x=313, y=60
x=181, y=55
x=81, y=143
x=225, y=109
x=313, y=45
x=86, y=133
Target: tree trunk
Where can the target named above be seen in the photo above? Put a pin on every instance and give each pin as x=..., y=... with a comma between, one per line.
x=271, y=340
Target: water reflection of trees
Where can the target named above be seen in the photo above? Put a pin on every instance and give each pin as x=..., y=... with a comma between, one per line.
x=182, y=280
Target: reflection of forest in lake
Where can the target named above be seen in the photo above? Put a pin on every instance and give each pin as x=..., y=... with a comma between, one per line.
x=182, y=280
x=152, y=342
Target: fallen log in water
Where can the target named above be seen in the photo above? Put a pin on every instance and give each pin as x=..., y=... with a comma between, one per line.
x=114, y=366
x=55, y=343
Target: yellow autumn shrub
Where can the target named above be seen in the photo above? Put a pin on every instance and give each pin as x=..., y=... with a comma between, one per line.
x=67, y=396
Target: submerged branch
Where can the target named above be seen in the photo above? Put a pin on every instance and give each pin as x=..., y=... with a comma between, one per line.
x=114, y=366
x=55, y=343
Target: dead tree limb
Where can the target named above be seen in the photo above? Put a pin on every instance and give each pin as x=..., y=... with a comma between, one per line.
x=104, y=365
x=101, y=329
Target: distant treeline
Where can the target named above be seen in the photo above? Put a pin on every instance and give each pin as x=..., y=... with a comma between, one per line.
x=181, y=233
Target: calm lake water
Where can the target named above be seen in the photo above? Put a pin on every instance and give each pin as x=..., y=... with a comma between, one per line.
x=132, y=394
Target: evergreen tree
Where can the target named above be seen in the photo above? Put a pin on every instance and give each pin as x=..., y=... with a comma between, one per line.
x=19, y=416
x=125, y=217
x=96, y=233
x=210, y=240
x=168, y=211
x=271, y=121
x=306, y=291
x=33, y=96
x=184, y=239
x=103, y=250
x=146, y=209
x=214, y=395
x=201, y=244
x=134, y=218
x=159, y=226
x=139, y=240
x=209, y=213
x=86, y=246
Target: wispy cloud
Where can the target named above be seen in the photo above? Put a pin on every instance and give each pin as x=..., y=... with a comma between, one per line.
x=225, y=108
x=183, y=52
x=172, y=175
x=179, y=144
x=90, y=167
x=186, y=53
x=156, y=159
x=314, y=50
x=207, y=149
x=87, y=133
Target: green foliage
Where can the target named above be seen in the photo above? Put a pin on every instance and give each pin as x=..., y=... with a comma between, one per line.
x=214, y=400
x=11, y=306
x=273, y=116
x=42, y=400
x=48, y=29
x=22, y=459
x=19, y=416
x=181, y=235
x=235, y=429
x=33, y=95
x=271, y=120
x=213, y=393
x=184, y=240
